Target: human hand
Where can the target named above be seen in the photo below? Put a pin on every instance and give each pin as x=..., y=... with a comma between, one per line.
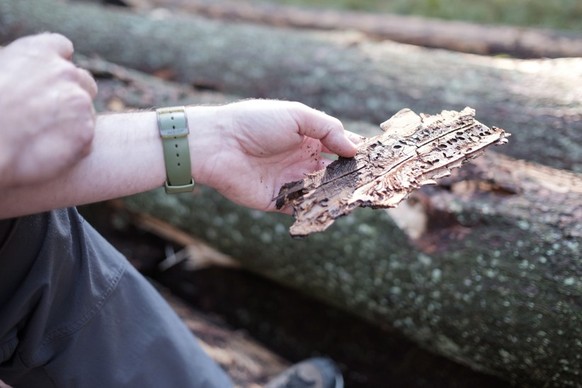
x=46, y=112
x=264, y=144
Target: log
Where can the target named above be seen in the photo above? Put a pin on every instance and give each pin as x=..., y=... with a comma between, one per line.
x=538, y=101
x=251, y=304
x=122, y=89
x=489, y=274
x=459, y=36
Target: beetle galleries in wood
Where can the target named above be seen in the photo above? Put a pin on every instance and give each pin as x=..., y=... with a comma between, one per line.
x=414, y=150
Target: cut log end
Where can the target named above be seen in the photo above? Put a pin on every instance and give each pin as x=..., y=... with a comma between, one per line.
x=414, y=150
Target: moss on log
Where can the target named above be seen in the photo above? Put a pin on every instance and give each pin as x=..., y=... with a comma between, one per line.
x=539, y=101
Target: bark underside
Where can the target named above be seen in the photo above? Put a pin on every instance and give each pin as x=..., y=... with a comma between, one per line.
x=413, y=151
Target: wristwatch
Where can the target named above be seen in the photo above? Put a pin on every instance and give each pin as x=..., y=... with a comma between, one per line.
x=173, y=126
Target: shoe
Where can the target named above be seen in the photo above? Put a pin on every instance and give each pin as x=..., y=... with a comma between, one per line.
x=312, y=373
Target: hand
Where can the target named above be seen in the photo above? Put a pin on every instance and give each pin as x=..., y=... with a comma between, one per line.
x=264, y=144
x=46, y=112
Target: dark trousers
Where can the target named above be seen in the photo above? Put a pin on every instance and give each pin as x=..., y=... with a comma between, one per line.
x=75, y=313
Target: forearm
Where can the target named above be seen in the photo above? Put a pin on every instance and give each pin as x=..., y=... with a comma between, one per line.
x=126, y=158
x=246, y=151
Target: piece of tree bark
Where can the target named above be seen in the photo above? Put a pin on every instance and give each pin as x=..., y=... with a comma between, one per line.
x=539, y=102
x=490, y=276
x=413, y=151
x=451, y=35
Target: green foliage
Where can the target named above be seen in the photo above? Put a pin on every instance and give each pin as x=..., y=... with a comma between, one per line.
x=559, y=14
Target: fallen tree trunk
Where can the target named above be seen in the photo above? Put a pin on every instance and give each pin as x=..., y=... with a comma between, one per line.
x=539, y=102
x=451, y=35
x=207, y=280
x=121, y=89
x=489, y=276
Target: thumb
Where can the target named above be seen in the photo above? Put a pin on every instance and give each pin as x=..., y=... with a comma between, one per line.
x=327, y=129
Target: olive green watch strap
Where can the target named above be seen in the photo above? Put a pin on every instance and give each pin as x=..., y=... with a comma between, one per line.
x=173, y=126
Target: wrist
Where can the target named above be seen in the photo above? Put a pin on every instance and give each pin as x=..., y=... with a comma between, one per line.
x=209, y=127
